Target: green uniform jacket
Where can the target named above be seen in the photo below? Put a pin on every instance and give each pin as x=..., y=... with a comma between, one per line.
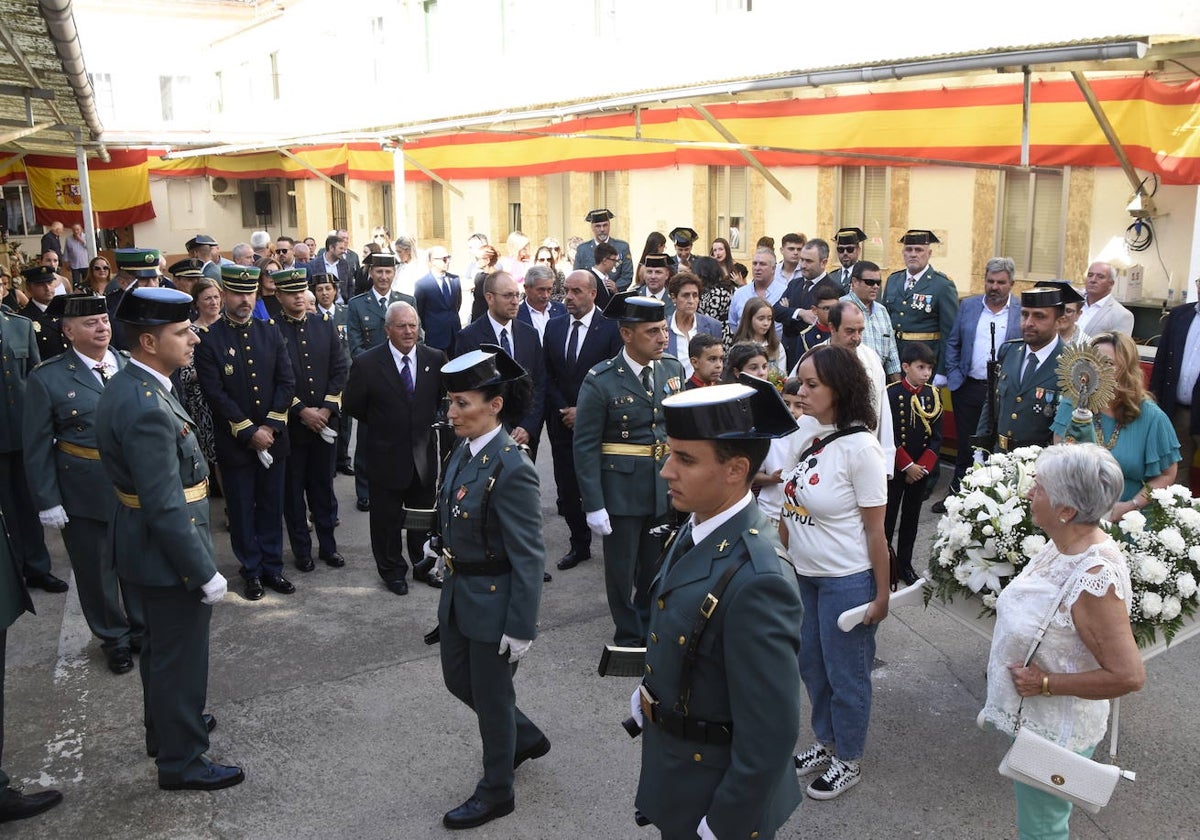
x=148, y=446
x=60, y=405
x=14, y=597
x=365, y=320
x=18, y=355
x=613, y=407
x=746, y=672
x=488, y=606
x=931, y=307
x=1024, y=415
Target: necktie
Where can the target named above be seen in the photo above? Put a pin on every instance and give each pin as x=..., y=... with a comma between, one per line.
x=680, y=546
x=1031, y=365
x=504, y=345
x=406, y=377
x=383, y=307
x=445, y=289
x=647, y=382
x=909, y=283
x=573, y=342
x=103, y=371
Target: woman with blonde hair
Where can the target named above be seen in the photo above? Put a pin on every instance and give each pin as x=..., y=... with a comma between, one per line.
x=1132, y=426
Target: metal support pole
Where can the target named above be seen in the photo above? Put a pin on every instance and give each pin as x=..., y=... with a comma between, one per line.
x=85, y=191
x=1025, y=103
x=398, y=196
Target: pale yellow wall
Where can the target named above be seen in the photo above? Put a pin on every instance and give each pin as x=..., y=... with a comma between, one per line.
x=799, y=215
x=471, y=214
x=940, y=200
x=659, y=199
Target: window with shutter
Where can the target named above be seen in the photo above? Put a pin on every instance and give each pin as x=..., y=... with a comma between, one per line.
x=1030, y=223
x=729, y=206
x=863, y=200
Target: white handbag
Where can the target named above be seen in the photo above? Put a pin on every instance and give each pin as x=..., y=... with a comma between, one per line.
x=1042, y=764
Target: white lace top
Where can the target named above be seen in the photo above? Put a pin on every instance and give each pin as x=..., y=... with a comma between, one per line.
x=1071, y=722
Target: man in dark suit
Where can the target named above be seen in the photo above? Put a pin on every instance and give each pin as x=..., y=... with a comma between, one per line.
x=794, y=310
x=1027, y=394
x=70, y=488
x=439, y=300
x=247, y=378
x=572, y=345
x=1176, y=382
x=150, y=449
x=395, y=390
x=39, y=282
x=848, y=241
x=537, y=309
x=499, y=326
x=332, y=261
x=970, y=347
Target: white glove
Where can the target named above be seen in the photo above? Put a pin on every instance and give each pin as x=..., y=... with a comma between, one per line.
x=635, y=706
x=597, y=520
x=215, y=589
x=940, y=381
x=515, y=648
x=328, y=435
x=54, y=518
x=266, y=459
x=703, y=831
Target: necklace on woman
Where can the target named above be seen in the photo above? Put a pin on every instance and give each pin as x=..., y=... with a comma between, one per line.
x=1111, y=443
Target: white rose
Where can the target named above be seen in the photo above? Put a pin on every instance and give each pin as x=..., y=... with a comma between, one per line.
x=1194, y=554
x=1182, y=492
x=1152, y=570
x=1163, y=496
x=989, y=601
x=962, y=574
x=1188, y=517
x=1032, y=544
x=1152, y=604
x=1133, y=522
x=1172, y=540
x=945, y=558
x=989, y=531
x=953, y=504
x=1186, y=584
x=1170, y=607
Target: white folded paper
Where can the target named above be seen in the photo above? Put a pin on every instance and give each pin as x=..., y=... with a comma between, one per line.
x=907, y=596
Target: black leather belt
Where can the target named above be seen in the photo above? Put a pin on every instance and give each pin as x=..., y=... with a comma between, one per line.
x=490, y=567
x=699, y=731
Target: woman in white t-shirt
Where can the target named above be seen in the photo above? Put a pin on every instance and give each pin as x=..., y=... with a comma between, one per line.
x=835, y=497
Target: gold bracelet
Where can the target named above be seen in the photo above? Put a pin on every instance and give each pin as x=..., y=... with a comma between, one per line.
x=1046, y=685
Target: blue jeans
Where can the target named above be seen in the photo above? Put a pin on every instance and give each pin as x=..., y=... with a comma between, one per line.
x=1041, y=815
x=836, y=666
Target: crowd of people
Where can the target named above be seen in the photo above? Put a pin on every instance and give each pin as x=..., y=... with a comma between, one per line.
x=658, y=384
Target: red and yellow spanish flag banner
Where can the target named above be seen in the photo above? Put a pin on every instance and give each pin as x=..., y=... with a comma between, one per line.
x=1158, y=124
x=120, y=189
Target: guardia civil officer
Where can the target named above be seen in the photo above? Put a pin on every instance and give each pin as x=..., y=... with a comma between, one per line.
x=247, y=378
x=922, y=301
x=151, y=453
x=1027, y=392
x=70, y=488
x=619, y=446
x=720, y=702
x=494, y=553
x=39, y=282
x=314, y=419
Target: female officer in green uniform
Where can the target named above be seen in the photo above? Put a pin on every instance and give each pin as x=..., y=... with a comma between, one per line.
x=489, y=510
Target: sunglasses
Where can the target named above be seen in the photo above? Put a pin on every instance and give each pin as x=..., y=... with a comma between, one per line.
x=847, y=249
x=868, y=282
x=282, y=250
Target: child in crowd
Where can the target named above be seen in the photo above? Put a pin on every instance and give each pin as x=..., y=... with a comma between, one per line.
x=824, y=297
x=917, y=424
x=769, y=479
x=707, y=355
x=758, y=325
x=746, y=357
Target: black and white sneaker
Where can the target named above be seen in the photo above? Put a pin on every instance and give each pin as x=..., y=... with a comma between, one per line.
x=813, y=760
x=839, y=778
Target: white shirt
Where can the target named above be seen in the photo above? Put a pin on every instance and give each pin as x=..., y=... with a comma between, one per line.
x=1091, y=310
x=399, y=357
x=822, y=497
x=738, y=302
x=681, y=344
x=708, y=526
x=585, y=323
x=109, y=362
x=1189, y=367
x=916, y=278
x=1042, y=355
x=475, y=445
x=164, y=381
x=981, y=352
x=636, y=368
x=539, y=319
x=508, y=329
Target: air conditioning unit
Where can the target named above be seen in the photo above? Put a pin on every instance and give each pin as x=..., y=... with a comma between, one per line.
x=222, y=187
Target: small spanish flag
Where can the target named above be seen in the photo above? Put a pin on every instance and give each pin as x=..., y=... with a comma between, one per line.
x=120, y=189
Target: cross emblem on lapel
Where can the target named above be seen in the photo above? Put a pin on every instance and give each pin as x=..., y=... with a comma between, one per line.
x=723, y=545
x=483, y=460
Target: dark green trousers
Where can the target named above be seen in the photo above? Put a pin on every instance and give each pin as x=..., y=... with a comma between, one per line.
x=101, y=592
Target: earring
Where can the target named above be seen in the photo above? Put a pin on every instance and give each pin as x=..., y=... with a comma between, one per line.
x=1062, y=520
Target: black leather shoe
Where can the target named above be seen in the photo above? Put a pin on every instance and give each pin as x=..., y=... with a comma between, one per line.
x=305, y=564
x=254, y=589
x=215, y=777
x=279, y=583
x=536, y=751
x=363, y=504
x=939, y=506
x=210, y=723
x=335, y=560
x=15, y=805
x=573, y=558
x=908, y=575
x=430, y=579
x=546, y=577
x=398, y=587
x=475, y=812
x=120, y=661
x=346, y=469
x=135, y=644
x=48, y=582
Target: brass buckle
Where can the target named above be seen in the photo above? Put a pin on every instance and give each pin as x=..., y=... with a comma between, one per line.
x=660, y=451
x=709, y=606
x=448, y=559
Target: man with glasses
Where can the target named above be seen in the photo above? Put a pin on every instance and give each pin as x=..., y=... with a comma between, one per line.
x=284, y=253
x=794, y=309
x=922, y=301
x=439, y=301
x=848, y=241
x=864, y=289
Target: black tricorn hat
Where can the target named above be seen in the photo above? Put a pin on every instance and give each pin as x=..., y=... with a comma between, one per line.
x=630, y=308
x=78, y=305
x=683, y=236
x=657, y=261
x=849, y=236
x=150, y=307
x=749, y=410
x=919, y=237
x=601, y=215
x=489, y=365
x=1069, y=295
x=381, y=260
x=1042, y=296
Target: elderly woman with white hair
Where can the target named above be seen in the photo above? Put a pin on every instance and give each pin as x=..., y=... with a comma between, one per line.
x=1088, y=655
